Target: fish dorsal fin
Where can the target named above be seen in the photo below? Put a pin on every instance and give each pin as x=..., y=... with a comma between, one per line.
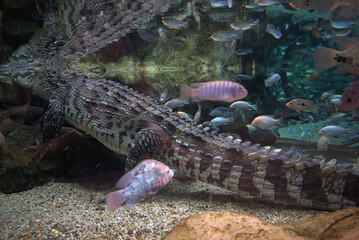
x=124, y=180
x=199, y=84
x=343, y=42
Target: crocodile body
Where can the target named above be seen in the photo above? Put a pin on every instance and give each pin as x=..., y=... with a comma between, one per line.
x=137, y=126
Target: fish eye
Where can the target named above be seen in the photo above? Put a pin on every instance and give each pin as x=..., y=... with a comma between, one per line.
x=349, y=99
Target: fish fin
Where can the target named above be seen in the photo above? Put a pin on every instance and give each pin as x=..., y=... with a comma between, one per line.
x=322, y=6
x=340, y=70
x=131, y=203
x=255, y=107
x=115, y=199
x=185, y=92
x=343, y=42
x=280, y=121
x=197, y=85
x=124, y=180
x=197, y=99
x=324, y=58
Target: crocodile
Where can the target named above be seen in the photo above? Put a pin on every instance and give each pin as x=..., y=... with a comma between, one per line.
x=135, y=125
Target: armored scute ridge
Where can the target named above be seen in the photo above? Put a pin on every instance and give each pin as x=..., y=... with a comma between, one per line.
x=139, y=127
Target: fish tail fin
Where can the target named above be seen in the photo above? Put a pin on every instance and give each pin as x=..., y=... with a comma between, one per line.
x=280, y=121
x=115, y=199
x=324, y=58
x=255, y=107
x=185, y=92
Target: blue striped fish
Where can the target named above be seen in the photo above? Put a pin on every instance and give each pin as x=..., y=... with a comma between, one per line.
x=225, y=91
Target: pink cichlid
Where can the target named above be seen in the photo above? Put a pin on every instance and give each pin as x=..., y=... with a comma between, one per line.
x=265, y=122
x=350, y=98
x=225, y=91
x=325, y=58
x=146, y=178
x=323, y=143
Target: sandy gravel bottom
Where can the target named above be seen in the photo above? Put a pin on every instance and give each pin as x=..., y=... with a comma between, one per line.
x=69, y=211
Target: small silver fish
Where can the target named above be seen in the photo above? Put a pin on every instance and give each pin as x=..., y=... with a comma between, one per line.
x=242, y=52
x=326, y=95
x=333, y=130
x=176, y=103
x=240, y=25
x=243, y=77
x=243, y=105
x=146, y=178
x=218, y=3
x=266, y=2
x=224, y=16
x=221, y=121
x=343, y=23
x=255, y=7
x=273, y=31
x=227, y=36
x=174, y=23
x=272, y=80
x=186, y=116
x=187, y=12
x=221, y=112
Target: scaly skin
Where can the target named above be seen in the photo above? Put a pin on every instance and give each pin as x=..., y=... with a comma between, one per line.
x=137, y=126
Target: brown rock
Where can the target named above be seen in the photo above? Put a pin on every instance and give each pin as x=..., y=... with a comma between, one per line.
x=228, y=225
x=341, y=224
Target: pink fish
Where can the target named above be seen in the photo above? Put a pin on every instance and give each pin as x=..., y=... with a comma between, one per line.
x=325, y=58
x=146, y=178
x=350, y=98
x=215, y=91
x=264, y=122
x=323, y=143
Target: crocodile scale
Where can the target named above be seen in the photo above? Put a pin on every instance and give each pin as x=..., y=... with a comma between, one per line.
x=137, y=126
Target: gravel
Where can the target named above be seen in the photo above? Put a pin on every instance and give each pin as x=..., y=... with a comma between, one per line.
x=64, y=210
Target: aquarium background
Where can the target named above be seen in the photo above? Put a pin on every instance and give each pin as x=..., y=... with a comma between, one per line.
x=156, y=59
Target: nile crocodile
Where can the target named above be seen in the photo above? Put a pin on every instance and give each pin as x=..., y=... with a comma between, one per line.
x=137, y=126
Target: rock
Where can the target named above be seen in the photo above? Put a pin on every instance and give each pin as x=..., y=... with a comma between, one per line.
x=342, y=224
x=264, y=137
x=228, y=225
